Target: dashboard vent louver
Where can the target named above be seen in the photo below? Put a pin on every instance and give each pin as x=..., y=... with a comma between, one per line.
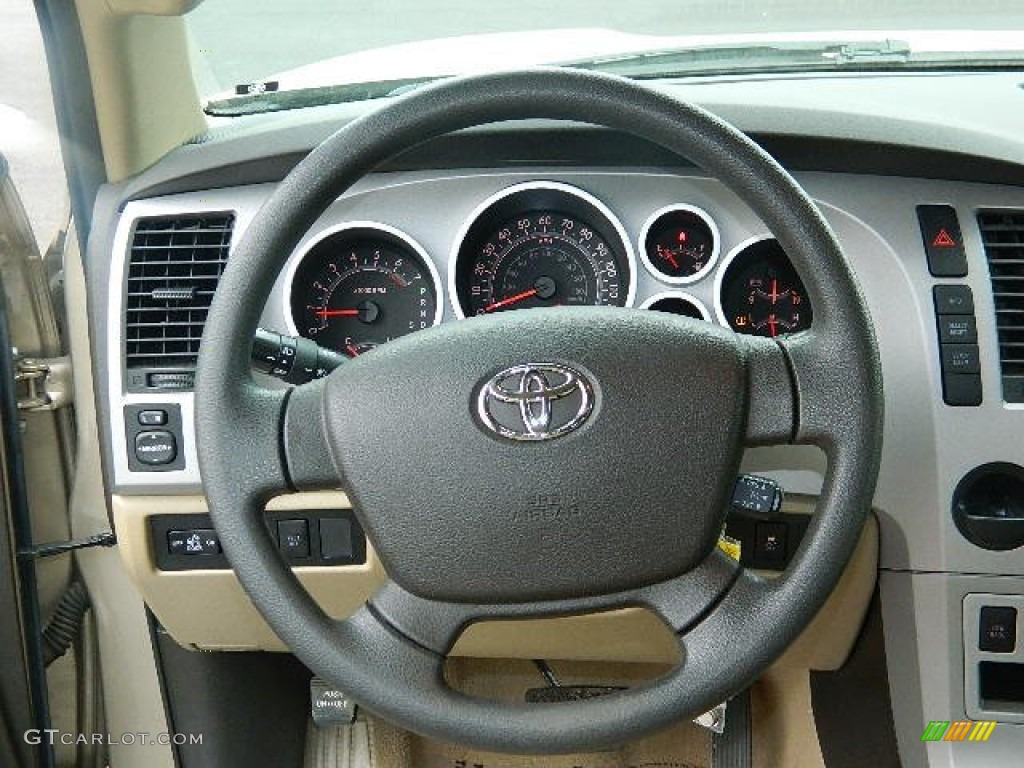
x=1002, y=233
x=173, y=269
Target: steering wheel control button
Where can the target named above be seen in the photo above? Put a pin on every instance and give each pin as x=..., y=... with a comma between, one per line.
x=997, y=629
x=190, y=542
x=953, y=299
x=535, y=401
x=156, y=447
x=336, y=539
x=154, y=418
x=293, y=538
x=943, y=244
x=957, y=329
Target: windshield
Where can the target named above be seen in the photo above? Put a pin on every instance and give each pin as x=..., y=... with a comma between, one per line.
x=246, y=49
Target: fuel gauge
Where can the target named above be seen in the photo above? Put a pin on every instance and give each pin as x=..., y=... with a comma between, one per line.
x=679, y=244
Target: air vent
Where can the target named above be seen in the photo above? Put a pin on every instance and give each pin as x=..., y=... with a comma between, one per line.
x=1003, y=235
x=173, y=270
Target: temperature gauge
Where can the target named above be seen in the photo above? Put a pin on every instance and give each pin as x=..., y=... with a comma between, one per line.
x=679, y=244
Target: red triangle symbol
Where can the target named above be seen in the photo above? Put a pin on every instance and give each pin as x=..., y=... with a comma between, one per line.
x=943, y=240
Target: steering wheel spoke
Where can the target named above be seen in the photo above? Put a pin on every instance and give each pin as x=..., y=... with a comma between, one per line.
x=772, y=398
x=304, y=440
x=683, y=601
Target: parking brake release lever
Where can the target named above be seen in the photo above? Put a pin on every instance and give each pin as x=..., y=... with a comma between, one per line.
x=292, y=358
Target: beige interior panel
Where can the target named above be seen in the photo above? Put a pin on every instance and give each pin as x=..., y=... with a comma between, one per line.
x=784, y=730
x=133, y=701
x=829, y=638
x=143, y=89
x=208, y=609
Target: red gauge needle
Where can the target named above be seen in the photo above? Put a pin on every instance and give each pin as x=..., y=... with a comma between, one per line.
x=671, y=259
x=336, y=312
x=352, y=350
x=775, y=292
x=511, y=300
x=772, y=326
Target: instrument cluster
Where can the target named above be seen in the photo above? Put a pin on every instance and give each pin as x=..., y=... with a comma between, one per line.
x=537, y=244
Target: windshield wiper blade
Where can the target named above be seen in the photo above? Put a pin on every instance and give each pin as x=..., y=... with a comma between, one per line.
x=760, y=57
x=278, y=101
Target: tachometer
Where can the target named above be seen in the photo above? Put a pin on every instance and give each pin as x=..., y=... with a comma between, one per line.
x=541, y=244
x=360, y=285
x=759, y=293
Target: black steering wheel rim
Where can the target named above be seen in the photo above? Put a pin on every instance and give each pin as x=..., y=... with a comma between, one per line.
x=824, y=386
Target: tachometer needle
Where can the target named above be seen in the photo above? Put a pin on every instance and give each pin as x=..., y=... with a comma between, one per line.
x=511, y=300
x=337, y=313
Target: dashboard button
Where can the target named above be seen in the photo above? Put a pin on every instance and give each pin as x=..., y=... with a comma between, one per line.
x=960, y=358
x=957, y=329
x=155, y=447
x=997, y=629
x=770, y=544
x=293, y=537
x=153, y=418
x=953, y=299
x=336, y=538
x=961, y=388
x=943, y=245
x=198, y=541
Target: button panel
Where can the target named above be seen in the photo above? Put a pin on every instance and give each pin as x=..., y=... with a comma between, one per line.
x=957, y=331
x=304, y=537
x=767, y=544
x=154, y=437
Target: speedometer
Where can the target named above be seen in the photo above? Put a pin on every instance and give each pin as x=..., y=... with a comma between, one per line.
x=541, y=244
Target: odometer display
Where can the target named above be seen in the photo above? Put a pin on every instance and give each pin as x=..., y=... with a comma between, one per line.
x=541, y=246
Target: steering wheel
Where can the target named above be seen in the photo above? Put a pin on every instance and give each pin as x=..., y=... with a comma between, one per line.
x=449, y=502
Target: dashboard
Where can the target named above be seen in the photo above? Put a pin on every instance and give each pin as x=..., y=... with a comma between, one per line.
x=927, y=204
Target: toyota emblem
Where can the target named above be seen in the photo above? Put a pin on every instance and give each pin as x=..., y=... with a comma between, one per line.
x=535, y=401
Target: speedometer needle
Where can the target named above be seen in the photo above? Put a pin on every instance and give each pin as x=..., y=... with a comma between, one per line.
x=336, y=312
x=511, y=300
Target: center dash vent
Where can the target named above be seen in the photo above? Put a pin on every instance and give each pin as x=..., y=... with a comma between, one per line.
x=173, y=269
x=1002, y=232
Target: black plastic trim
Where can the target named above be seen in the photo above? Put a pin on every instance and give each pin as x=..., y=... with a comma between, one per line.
x=250, y=708
x=161, y=525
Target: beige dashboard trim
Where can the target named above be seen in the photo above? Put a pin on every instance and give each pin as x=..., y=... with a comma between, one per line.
x=209, y=610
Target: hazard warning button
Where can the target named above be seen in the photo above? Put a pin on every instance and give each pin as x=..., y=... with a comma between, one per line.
x=943, y=245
